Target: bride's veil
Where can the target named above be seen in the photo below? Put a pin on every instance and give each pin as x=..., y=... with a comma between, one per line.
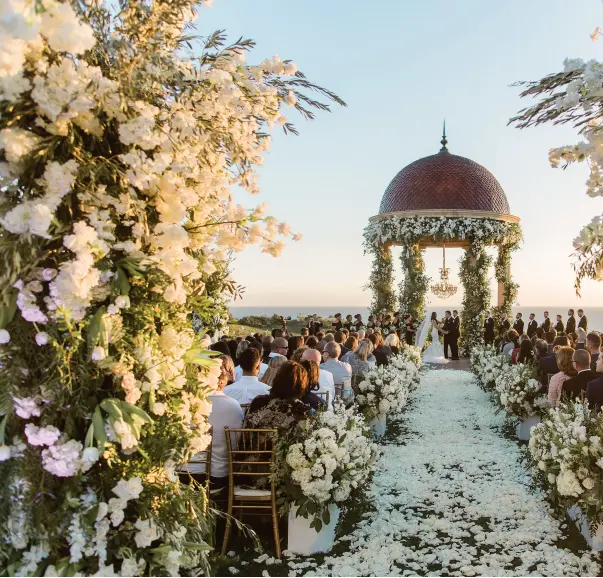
x=422, y=333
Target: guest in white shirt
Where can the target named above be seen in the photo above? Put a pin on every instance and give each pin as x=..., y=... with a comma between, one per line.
x=325, y=378
x=239, y=371
x=225, y=411
x=248, y=386
x=342, y=372
x=280, y=346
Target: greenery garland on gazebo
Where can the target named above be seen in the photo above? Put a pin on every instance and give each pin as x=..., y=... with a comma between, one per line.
x=416, y=233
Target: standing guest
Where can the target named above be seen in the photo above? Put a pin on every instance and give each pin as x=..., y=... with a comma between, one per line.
x=550, y=337
x=225, y=412
x=370, y=324
x=518, y=325
x=310, y=398
x=241, y=347
x=504, y=324
x=396, y=321
x=361, y=360
x=526, y=352
x=564, y=359
x=594, y=389
x=273, y=366
x=349, y=322
x=266, y=348
x=576, y=386
x=326, y=383
x=546, y=324
x=339, y=337
x=532, y=325
x=312, y=342
x=593, y=346
x=294, y=342
x=338, y=323
x=358, y=323
x=570, y=326
x=489, y=329
x=456, y=334
x=580, y=338
x=280, y=346
x=342, y=372
x=409, y=329
x=248, y=386
x=582, y=320
x=393, y=342
x=559, y=325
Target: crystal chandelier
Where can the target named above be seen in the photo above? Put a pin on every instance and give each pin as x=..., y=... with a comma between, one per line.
x=444, y=289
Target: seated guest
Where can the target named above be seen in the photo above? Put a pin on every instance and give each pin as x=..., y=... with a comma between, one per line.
x=325, y=378
x=361, y=334
x=369, y=331
x=282, y=407
x=320, y=335
x=294, y=342
x=593, y=345
x=511, y=342
x=310, y=398
x=297, y=354
x=580, y=338
x=550, y=337
x=351, y=343
x=225, y=412
x=381, y=356
x=526, y=352
x=263, y=366
x=280, y=346
x=228, y=369
x=242, y=346
x=266, y=348
x=342, y=372
x=594, y=389
x=273, y=366
x=361, y=360
x=516, y=350
x=311, y=342
x=232, y=345
x=576, y=386
x=564, y=357
x=339, y=339
x=541, y=349
x=329, y=338
x=305, y=332
x=393, y=342
x=540, y=332
x=221, y=347
x=248, y=386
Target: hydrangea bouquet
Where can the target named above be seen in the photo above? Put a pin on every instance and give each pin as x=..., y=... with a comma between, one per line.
x=322, y=461
x=408, y=353
x=487, y=365
x=519, y=391
x=567, y=451
x=385, y=390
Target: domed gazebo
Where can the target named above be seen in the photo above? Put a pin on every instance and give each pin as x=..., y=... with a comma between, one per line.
x=443, y=200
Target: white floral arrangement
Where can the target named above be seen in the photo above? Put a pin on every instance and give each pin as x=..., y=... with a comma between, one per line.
x=487, y=365
x=384, y=390
x=322, y=461
x=408, y=353
x=519, y=391
x=567, y=450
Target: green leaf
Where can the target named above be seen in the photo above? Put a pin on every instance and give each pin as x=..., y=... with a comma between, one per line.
x=121, y=285
x=8, y=309
x=3, y=428
x=326, y=516
x=201, y=546
x=132, y=409
x=112, y=407
x=89, y=436
x=99, y=428
x=97, y=331
x=200, y=356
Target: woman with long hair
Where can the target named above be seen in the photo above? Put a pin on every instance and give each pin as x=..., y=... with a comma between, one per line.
x=310, y=397
x=564, y=356
x=228, y=369
x=361, y=359
x=274, y=365
x=295, y=342
x=434, y=353
x=526, y=352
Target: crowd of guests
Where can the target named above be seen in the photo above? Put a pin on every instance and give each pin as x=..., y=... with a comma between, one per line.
x=569, y=363
x=273, y=381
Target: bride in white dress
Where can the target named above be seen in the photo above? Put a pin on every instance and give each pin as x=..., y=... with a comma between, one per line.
x=435, y=352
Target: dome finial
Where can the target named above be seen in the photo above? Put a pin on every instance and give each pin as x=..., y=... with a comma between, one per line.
x=444, y=141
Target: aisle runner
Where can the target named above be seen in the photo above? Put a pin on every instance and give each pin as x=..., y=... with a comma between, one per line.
x=454, y=498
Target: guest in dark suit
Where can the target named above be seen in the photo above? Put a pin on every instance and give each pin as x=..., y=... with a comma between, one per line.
x=448, y=330
x=532, y=325
x=518, y=325
x=594, y=389
x=559, y=328
x=593, y=346
x=570, y=326
x=546, y=324
x=410, y=329
x=456, y=334
x=576, y=386
x=489, y=329
x=504, y=325
x=583, y=321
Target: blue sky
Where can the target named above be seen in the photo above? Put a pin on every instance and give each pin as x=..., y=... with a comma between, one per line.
x=402, y=66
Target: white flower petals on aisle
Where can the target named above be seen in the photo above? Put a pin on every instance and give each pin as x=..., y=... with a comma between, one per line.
x=454, y=498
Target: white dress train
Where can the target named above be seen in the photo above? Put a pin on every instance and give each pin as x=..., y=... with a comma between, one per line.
x=435, y=351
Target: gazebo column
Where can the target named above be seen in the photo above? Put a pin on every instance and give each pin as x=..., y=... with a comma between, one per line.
x=382, y=279
x=507, y=289
x=415, y=284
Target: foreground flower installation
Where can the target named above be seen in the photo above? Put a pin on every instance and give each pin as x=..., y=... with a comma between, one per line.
x=119, y=147
x=451, y=497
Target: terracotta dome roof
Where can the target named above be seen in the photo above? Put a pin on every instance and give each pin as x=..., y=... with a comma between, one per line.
x=444, y=182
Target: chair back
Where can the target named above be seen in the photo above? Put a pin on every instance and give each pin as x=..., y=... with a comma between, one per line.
x=202, y=457
x=245, y=408
x=324, y=395
x=251, y=453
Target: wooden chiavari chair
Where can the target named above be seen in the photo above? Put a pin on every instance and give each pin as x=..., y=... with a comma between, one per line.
x=245, y=408
x=324, y=395
x=251, y=454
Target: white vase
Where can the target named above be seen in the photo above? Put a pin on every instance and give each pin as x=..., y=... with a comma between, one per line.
x=524, y=427
x=306, y=540
x=595, y=541
x=379, y=425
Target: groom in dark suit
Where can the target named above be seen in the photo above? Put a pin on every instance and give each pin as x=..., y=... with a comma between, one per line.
x=489, y=329
x=455, y=335
x=448, y=331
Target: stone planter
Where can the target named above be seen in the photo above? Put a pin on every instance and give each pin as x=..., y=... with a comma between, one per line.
x=524, y=426
x=306, y=540
x=595, y=541
x=379, y=425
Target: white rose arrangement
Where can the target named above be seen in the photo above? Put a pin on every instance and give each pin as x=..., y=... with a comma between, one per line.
x=322, y=461
x=519, y=391
x=487, y=365
x=567, y=452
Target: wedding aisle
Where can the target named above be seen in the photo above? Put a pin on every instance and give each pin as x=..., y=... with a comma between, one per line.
x=452, y=498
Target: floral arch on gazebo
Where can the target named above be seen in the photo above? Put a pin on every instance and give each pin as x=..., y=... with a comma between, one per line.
x=443, y=200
